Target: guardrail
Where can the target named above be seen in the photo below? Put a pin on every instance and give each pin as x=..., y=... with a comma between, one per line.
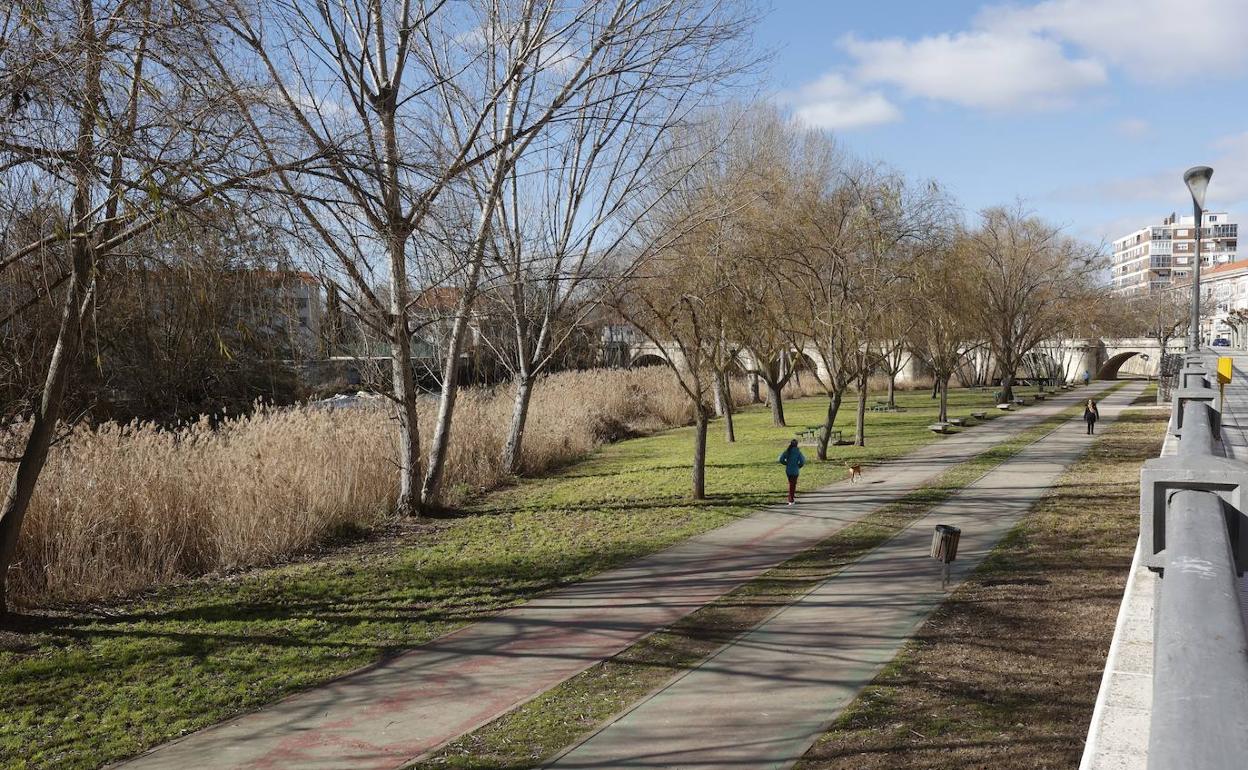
x=1195, y=534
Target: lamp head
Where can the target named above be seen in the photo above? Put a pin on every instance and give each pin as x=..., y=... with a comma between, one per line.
x=1197, y=180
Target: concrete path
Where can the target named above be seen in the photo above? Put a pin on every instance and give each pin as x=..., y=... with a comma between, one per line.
x=762, y=700
x=386, y=715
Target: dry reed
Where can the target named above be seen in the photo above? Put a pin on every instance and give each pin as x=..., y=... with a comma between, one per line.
x=121, y=508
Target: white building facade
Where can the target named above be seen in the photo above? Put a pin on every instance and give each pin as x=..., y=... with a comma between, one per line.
x=1157, y=257
x=1224, y=305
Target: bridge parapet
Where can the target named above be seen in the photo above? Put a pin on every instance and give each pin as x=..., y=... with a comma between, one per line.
x=1187, y=680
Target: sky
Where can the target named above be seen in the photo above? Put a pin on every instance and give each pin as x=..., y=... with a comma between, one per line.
x=1086, y=111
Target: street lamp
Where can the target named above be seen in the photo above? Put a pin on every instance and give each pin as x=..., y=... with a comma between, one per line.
x=1197, y=180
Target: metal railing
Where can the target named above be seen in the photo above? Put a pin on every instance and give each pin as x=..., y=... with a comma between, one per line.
x=1196, y=536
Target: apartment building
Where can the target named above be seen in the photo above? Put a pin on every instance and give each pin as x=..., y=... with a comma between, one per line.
x=1224, y=299
x=1154, y=258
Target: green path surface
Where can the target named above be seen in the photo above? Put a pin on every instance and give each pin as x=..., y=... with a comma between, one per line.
x=82, y=687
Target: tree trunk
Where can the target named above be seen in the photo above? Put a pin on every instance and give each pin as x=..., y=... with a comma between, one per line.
x=1007, y=388
x=719, y=396
x=74, y=308
x=440, y=445
x=825, y=435
x=730, y=428
x=404, y=386
x=944, y=398
x=431, y=492
x=699, y=453
x=43, y=423
x=860, y=430
x=755, y=396
x=777, y=403
x=514, y=448
x=892, y=390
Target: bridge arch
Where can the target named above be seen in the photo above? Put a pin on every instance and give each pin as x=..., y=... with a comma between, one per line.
x=648, y=359
x=1109, y=369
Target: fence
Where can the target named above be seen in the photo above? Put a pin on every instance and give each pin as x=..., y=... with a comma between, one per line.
x=1168, y=375
x=1195, y=534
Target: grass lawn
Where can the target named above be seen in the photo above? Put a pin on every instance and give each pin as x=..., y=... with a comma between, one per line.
x=82, y=686
x=1006, y=672
x=564, y=715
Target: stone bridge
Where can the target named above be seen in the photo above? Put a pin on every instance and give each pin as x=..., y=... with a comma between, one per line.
x=1102, y=359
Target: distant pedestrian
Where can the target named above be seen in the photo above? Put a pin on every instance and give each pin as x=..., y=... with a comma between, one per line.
x=1090, y=415
x=792, y=459
x=1087, y=376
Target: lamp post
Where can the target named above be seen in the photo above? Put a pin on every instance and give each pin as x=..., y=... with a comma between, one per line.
x=1197, y=180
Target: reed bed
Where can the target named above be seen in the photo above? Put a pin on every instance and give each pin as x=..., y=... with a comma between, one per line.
x=120, y=508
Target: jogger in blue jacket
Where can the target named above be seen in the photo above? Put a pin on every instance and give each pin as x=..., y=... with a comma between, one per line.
x=792, y=459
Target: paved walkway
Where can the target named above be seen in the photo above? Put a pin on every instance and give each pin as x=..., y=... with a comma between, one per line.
x=388, y=714
x=762, y=700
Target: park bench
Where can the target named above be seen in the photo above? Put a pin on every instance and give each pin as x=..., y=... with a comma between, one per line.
x=1005, y=407
x=1040, y=396
x=939, y=427
x=958, y=421
x=1020, y=401
x=979, y=415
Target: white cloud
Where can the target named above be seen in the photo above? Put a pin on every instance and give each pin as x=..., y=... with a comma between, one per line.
x=979, y=69
x=1157, y=41
x=1133, y=128
x=833, y=102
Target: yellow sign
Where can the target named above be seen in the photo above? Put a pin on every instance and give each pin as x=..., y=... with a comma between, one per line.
x=1224, y=370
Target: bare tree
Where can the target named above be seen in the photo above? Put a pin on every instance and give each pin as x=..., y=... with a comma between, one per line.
x=943, y=335
x=108, y=123
x=571, y=204
x=893, y=223
x=822, y=284
x=672, y=304
x=1024, y=272
x=420, y=109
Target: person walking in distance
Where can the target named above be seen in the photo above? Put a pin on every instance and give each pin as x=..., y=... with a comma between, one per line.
x=1091, y=415
x=792, y=459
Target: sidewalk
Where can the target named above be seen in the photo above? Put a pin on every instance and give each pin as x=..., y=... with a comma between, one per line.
x=388, y=714
x=762, y=700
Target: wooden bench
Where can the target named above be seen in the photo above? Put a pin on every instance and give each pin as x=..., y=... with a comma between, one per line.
x=1020, y=401
x=958, y=421
x=939, y=427
x=1005, y=407
x=979, y=415
x=1040, y=396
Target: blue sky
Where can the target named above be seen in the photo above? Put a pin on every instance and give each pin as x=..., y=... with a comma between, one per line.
x=1086, y=110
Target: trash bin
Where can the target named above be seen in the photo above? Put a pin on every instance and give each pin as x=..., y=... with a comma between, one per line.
x=945, y=542
x=945, y=547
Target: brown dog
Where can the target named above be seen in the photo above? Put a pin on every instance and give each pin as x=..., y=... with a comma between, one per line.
x=855, y=471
